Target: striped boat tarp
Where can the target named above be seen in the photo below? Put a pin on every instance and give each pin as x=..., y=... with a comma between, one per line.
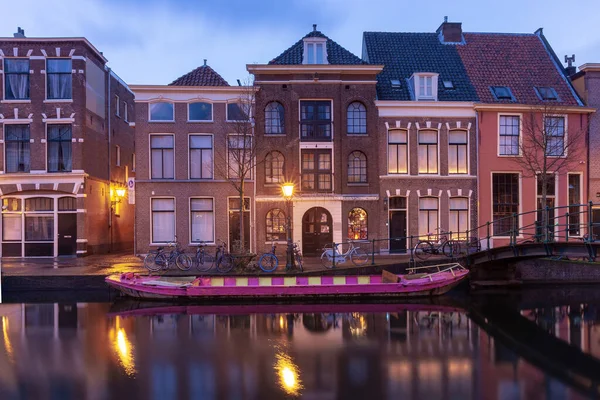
x=288, y=280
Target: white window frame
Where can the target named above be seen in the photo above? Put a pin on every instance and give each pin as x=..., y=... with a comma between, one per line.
x=407, y=153
x=152, y=242
x=520, y=134
x=46, y=99
x=437, y=152
x=190, y=239
x=565, y=136
x=57, y=122
x=250, y=116
x=251, y=177
x=189, y=149
x=125, y=113
x=468, y=217
x=150, y=156
x=212, y=111
x=314, y=41
x=117, y=106
x=415, y=80
x=4, y=99
x=434, y=235
x=467, y=131
x=581, y=201
x=160, y=121
x=520, y=205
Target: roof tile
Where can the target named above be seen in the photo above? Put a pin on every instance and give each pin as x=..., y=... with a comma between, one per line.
x=201, y=76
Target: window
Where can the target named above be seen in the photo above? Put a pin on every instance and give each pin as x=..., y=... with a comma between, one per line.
x=274, y=121
x=550, y=203
x=425, y=86
x=457, y=152
x=117, y=106
x=357, y=167
x=125, y=112
x=315, y=120
x=202, y=220
x=509, y=142
x=16, y=138
x=16, y=79
x=505, y=202
x=316, y=170
x=395, y=83
x=428, y=216
x=201, y=157
x=67, y=204
x=163, y=220
x=239, y=154
x=118, y=156
x=357, y=118
x=315, y=51
x=555, y=136
x=161, y=157
x=448, y=85
x=161, y=111
x=502, y=92
x=237, y=112
x=357, y=224
x=200, y=111
x=59, y=148
x=274, y=164
x=275, y=225
x=459, y=217
x=11, y=219
x=574, y=207
x=428, y=152
x=398, y=151
x=546, y=93
x=39, y=227
x=59, y=77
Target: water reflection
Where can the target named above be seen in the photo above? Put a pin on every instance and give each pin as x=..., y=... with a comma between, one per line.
x=93, y=351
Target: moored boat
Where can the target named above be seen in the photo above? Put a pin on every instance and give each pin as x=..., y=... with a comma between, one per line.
x=438, y=280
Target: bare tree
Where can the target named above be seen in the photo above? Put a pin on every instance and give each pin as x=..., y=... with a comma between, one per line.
x=548, y=147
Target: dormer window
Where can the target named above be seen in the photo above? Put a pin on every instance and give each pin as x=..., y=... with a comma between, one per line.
x=395, y=83
x=546, y=93
x=315, y=51
x=502, y=93
x=448, y=85
x=425, y=86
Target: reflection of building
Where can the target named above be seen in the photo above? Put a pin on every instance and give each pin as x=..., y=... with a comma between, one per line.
x=66, y=149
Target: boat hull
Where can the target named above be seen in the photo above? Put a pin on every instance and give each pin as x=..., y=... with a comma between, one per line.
x=285, y=287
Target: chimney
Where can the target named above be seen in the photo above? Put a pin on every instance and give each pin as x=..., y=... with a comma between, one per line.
x=450, y=32
x=570, y=69
x=20, y=33
x=205, y=62
x=239, y=83
x=314, y=27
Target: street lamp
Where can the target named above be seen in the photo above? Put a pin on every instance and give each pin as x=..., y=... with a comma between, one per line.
x=287, y=189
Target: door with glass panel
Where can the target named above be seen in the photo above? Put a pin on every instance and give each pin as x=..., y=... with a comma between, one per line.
x=397, y=224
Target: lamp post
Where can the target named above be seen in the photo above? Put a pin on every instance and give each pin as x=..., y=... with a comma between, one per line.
x=287, y=189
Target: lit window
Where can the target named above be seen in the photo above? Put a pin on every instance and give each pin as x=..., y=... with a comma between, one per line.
x=398, y=151
x=428, y=216
x=457, y=152
x=428, y=152
x=459, y=217
x=275, y=225
x=357, y=224
x=161, y=111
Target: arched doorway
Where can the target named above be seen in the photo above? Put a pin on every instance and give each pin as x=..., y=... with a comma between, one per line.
x=317, y=231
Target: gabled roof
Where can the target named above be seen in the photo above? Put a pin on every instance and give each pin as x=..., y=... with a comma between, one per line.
x=336, y=54
x=403, y=54
x=201, y=76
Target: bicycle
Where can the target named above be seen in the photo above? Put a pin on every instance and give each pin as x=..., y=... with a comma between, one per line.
x=298, y=256
x=222, y=259
x=159, y=259
x=357, y=255
x=448, y=247
x=269, y=262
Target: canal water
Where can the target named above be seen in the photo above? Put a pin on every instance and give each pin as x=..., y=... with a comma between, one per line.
x=129, y=350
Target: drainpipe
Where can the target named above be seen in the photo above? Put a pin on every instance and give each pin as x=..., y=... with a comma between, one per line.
x=477, y=171
x=108, y=116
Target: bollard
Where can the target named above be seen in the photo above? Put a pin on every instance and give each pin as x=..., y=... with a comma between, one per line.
x=373, y=252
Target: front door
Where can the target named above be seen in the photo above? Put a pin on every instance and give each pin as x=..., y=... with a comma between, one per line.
x=234, y=224
x=397, y=231
x=317, y=231
x=67, y=234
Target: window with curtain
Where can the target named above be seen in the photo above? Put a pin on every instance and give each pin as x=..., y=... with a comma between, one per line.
x=316, y=170
x=275, y=225
x=428, y=216
x=357, y=167
x=39, y=225
x=274, y=119
x=428, y=152
x=60, y=79
x=16, y=148
x=357, y=118
x=398, y=151
x=163, y=220
x=459, y=217
x=202, y=220
x=16, y=79
x=555, y=136
x=11, y=219
x=457, y=152
x=200, y=111
x=162, y=111
x=60, y=150
x=274, y=164
x=201, y=157
x=505, y=202
x=510, y=127
x=162, y=157
x=357, y=224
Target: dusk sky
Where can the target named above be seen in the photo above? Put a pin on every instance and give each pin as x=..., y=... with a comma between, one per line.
x=156, y=41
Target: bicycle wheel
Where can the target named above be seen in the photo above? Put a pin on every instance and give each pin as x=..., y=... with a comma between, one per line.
x=327, y=259
x=423, y=250
x=268, y=262
x=359, y=256
x=224, y=263
x=150, y=262
x=451, y=248
x=183, y=262
x=204, y=262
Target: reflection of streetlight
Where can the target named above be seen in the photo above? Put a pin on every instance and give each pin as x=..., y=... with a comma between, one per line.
x=288, y=373
x=123, y=348
x=7, y=344
x=287, y=189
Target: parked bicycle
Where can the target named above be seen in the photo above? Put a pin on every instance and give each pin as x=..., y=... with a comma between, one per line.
x=426, y=247
x=298, y=256
x=269, y=262
x=160, y=259
x=221, y=259
x=357, y=255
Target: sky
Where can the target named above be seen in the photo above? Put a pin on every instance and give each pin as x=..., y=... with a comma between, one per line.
x=156, y=41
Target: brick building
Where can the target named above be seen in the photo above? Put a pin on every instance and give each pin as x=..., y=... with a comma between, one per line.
x=184, y=135
x=316, y=123
x=66, y=149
